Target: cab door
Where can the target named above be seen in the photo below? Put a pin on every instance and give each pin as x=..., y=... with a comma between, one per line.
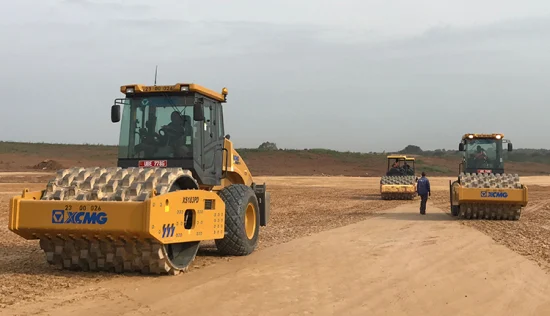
x=212, y=143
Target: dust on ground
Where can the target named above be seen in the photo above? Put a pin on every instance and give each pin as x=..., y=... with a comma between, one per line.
x=301, y=206
x=395, y=263
x=297, y=211
x=530, y=236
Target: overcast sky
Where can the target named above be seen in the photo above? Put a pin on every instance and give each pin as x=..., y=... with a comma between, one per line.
x=347, y=75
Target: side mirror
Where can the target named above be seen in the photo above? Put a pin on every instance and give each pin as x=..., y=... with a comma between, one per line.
x=198, y=112
x=509, y=146
x=461, y=147
x=115, y=113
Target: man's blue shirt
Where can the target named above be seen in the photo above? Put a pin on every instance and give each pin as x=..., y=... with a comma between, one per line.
x=423, y=186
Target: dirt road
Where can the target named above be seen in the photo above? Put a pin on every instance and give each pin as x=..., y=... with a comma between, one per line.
x=396, y=263
x=331, y=248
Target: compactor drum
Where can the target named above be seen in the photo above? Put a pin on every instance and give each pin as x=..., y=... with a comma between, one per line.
x=399, y=183
x=483, y=190
x=179, y=181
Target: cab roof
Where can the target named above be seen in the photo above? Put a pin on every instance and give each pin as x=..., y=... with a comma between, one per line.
x=400, y=157
x=178, y=87
x=482, y=136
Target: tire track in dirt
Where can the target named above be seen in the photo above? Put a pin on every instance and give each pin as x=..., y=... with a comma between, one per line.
x=433, y=267
x=530, y=236
x=297, y=211
x=301, y=207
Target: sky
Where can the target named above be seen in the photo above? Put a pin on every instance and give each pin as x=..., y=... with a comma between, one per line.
x=345, y=75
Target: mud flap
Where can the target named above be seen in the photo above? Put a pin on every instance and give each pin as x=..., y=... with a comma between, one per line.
x=264, y=201
x=455, y=209
x=451, y=194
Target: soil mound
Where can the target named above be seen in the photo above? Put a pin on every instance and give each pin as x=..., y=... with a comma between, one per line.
x=48, y=164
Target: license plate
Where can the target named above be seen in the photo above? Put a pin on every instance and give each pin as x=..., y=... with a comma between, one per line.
x=153, y=163
x=484, y=171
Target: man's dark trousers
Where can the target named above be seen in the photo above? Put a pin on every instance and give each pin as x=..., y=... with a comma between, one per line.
x=423, y=200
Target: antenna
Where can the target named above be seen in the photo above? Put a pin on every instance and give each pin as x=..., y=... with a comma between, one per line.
x=156, y=68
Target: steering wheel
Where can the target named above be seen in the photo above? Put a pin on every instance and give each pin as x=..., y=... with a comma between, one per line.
x=162, y=132
x=166, y=129
x=483, y=161
x=144, y=134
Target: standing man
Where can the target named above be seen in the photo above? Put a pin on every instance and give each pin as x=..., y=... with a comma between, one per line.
x=423, y=189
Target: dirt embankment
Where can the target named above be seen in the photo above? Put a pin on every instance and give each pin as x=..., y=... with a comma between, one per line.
x=23, y=157
x=48, y=164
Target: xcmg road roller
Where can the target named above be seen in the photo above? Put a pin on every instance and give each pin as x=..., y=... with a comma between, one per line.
x=178, y=181
x=483, y=190
x=399, y=183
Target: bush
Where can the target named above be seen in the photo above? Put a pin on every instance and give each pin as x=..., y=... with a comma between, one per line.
x=268, y=146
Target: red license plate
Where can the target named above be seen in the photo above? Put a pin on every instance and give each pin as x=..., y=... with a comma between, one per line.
x=153, y=163
x=484, y=171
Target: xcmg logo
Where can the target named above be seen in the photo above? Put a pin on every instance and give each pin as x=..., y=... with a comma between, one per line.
x=237, y=160
x=493, y=194
x=59, y=217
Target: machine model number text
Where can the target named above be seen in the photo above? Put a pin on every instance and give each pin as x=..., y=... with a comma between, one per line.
x=159, y=88
x=92, y=208
x=191, y=199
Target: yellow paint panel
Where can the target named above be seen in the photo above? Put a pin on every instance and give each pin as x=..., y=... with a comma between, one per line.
x=138, y=88
x=397, y=157
x=233, y=163
x=397, y=189
x=483, y=195
x=30, y=218
x=401, y=157
x=204, y=224
x=78, y=217
x=454, y=192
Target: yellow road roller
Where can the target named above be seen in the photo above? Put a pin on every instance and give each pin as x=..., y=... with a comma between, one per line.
x=483, y=189
x=178, y=181
x=399, y=183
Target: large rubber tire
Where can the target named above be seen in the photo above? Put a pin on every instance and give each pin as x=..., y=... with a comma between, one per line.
x=238, y=198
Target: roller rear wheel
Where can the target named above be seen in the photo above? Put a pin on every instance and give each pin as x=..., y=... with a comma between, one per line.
x=242, y=225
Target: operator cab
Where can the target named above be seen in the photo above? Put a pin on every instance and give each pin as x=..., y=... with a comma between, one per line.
x=400, y=166
x=172, y=126
x=483, y=153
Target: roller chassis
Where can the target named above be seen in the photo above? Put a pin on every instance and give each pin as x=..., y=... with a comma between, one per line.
x=398, y=187
x=470, y=196
x=149, y=235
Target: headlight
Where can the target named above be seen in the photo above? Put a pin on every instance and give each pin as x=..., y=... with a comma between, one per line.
x=129, y=90
x=184, y=88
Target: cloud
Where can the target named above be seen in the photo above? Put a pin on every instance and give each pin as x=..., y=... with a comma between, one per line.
x=297, y=85
x=108, y=5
